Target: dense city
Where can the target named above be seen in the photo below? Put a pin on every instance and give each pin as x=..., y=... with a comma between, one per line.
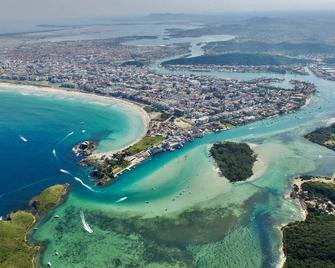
x=191, y=105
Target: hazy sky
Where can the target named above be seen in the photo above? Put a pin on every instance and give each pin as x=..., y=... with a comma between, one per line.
x=51, y=9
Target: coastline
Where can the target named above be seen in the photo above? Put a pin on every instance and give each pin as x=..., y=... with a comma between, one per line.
x=282, y=256
x=58, y=91
x=259, y=166
x=17, y=222
x=304, y=213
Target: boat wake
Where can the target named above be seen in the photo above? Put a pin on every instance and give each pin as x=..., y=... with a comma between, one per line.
x=64, y=171
x=83, y=184
x=67, y=136
x=121, y=199
x=85, y=224
x=54, y=153
x=23, y=138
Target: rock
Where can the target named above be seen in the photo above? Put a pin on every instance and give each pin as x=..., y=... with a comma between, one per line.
x=85, y=148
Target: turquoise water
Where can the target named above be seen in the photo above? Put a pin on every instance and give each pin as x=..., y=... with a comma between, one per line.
x=52, y=126
x=178, y=212
x=181, y=212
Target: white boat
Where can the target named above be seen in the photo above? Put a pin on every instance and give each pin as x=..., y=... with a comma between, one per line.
x=65, y=171
x=85, y=224
x=121, y=199
x=23, y=138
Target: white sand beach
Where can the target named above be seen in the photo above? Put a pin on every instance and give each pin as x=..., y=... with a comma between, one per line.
x=61, y=92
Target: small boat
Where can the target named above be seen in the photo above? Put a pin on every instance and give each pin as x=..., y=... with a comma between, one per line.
x=65, y=171
x=49, y=264
x=121, y=199
x=56, y=216
x=23, y=138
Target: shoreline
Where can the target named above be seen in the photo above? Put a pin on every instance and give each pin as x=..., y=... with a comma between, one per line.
x=296, y=181
x=91, y=97
x=303, y=211
x=260, y=164
x=258, y=169
x=38, y=209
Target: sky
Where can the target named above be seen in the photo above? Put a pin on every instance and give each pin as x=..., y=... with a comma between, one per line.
x=57, y=9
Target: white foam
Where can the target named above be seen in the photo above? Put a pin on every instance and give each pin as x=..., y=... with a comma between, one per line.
x=85, y=224
x=23, y=138
x=83, y=184
x=121, y=199
x=65, y=171
x=68, y=135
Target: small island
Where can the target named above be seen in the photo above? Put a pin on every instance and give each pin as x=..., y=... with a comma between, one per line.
x=324, y=136
x=310, y=243
x=15, y=251
x=235, y=160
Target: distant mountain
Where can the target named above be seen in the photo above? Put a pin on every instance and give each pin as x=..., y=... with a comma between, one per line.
x=174, y=16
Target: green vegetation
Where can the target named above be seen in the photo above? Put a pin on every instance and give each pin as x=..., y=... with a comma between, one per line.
x=14, y=249
x=105, y=171
x=324, y=136
x=251, y=59
x=235, y=160
x=311, y=243
x=144, y=144
x=149, y=109
x=49, y=198
x=163, y=116
x=316, y=189
x=262, y=47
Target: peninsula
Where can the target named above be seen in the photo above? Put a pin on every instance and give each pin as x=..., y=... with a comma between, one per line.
x=324, y=136
x=235, y=160
x=310, y=243
x=15, y=250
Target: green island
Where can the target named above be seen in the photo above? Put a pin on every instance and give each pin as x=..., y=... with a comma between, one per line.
x=324, y=136
x=311, y=243
x=15, y=251
x=235, y=160
x=247, y=59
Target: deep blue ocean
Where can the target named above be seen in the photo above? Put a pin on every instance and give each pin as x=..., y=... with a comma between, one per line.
x=37, y=134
